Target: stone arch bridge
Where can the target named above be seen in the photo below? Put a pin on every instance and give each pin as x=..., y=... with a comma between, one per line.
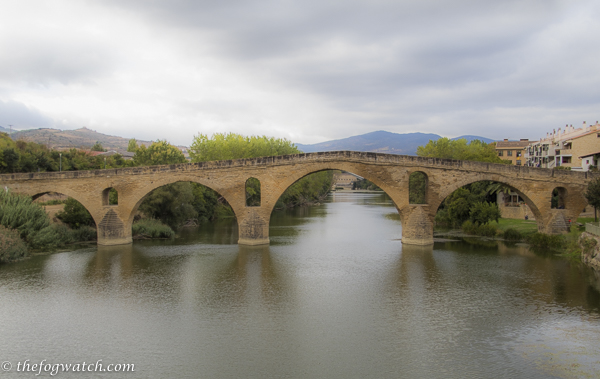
x=390, y=172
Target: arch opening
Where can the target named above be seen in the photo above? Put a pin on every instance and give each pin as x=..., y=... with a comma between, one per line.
x=110, y=196
x=482, y=202
x=65, y=209
x=330, y=184
x=253, y=193
x=182, y=203
x=417, y=188
x=559, y=198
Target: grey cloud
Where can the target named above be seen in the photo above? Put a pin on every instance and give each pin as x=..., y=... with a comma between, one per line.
x=42, y=59
x=21, y=116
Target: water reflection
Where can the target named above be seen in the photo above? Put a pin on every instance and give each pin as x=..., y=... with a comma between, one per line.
x=335, y=295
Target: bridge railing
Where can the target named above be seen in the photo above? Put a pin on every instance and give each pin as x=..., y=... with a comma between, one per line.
x=592, y=228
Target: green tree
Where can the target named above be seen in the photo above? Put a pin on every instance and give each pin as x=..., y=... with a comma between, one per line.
x=223, y=146
x=158, y=153
x=97, y=147
x=460, y=149
x=593, y=195
x=417, y=188
x=132, y=145
x=75, y=215
x=172, y=204
x=484, y=212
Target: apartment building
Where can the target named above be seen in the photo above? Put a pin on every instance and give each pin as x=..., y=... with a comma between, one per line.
x=513, y=151
x=577, y=148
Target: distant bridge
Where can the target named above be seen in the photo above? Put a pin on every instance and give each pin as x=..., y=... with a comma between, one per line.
x=390, y=172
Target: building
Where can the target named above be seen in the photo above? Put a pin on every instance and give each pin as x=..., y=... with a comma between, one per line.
x=345, y=179
x=576, y=148
x=514, y=151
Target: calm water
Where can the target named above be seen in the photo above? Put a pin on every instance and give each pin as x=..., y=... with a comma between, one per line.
x=335, y=295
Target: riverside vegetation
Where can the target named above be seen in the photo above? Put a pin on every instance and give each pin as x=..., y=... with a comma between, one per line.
x=473, y=208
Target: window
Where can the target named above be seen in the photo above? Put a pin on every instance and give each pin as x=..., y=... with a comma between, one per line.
x=518, y=163
x=518, y=153
x=500, y=153
x=509, y=153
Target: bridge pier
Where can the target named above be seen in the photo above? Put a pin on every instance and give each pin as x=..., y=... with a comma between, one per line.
x=253, y=224
x=556, y=222
x=112, y=230
x=417, y=227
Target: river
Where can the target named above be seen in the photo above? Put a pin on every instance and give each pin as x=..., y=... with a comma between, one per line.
x=335, y=295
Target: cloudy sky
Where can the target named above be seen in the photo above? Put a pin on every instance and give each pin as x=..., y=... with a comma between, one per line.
x=309, y=71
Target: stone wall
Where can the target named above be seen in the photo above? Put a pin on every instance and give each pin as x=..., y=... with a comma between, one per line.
x=517, y=212
x=590, y=255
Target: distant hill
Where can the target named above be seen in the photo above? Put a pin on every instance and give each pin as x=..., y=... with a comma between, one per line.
x=4, y=130
x=79, y=138
x=382, y=142
x=470, y=138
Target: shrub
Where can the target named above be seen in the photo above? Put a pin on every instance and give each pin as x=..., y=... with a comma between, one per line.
x=512, y=234
x=484, y=212
x=12, y=246
x=152, y=228
x=541, y=241
x=75, y=215
x=486, y=230
x=19, y=212
x=84, y=233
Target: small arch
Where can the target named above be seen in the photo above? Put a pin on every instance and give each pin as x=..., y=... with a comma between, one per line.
x=253, y=193
x=559, y=198
x=417, y=188
x=110, y=196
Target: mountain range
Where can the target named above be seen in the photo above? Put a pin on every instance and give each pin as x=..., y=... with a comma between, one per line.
x=82, y=138
x=378, y=142
x=382, y=142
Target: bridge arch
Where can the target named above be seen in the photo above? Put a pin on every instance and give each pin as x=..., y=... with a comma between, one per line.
x=390, y=172
x=147, y=190
x=527, y=197
x=380, y=179
x=84, y=201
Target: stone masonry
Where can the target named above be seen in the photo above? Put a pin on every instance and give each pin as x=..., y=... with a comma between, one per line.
x=276, y=174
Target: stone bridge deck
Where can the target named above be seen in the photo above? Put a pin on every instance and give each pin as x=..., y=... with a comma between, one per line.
x=390, y=172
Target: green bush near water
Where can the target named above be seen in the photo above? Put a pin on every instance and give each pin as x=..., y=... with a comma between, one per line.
x=20, y=213
x=474, y=228
x=75, y=215
x=12, y=247
x=152, y=228
x=512, y=234
x=540, y=241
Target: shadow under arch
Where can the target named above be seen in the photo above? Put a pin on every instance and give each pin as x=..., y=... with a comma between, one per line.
x=448, y=190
